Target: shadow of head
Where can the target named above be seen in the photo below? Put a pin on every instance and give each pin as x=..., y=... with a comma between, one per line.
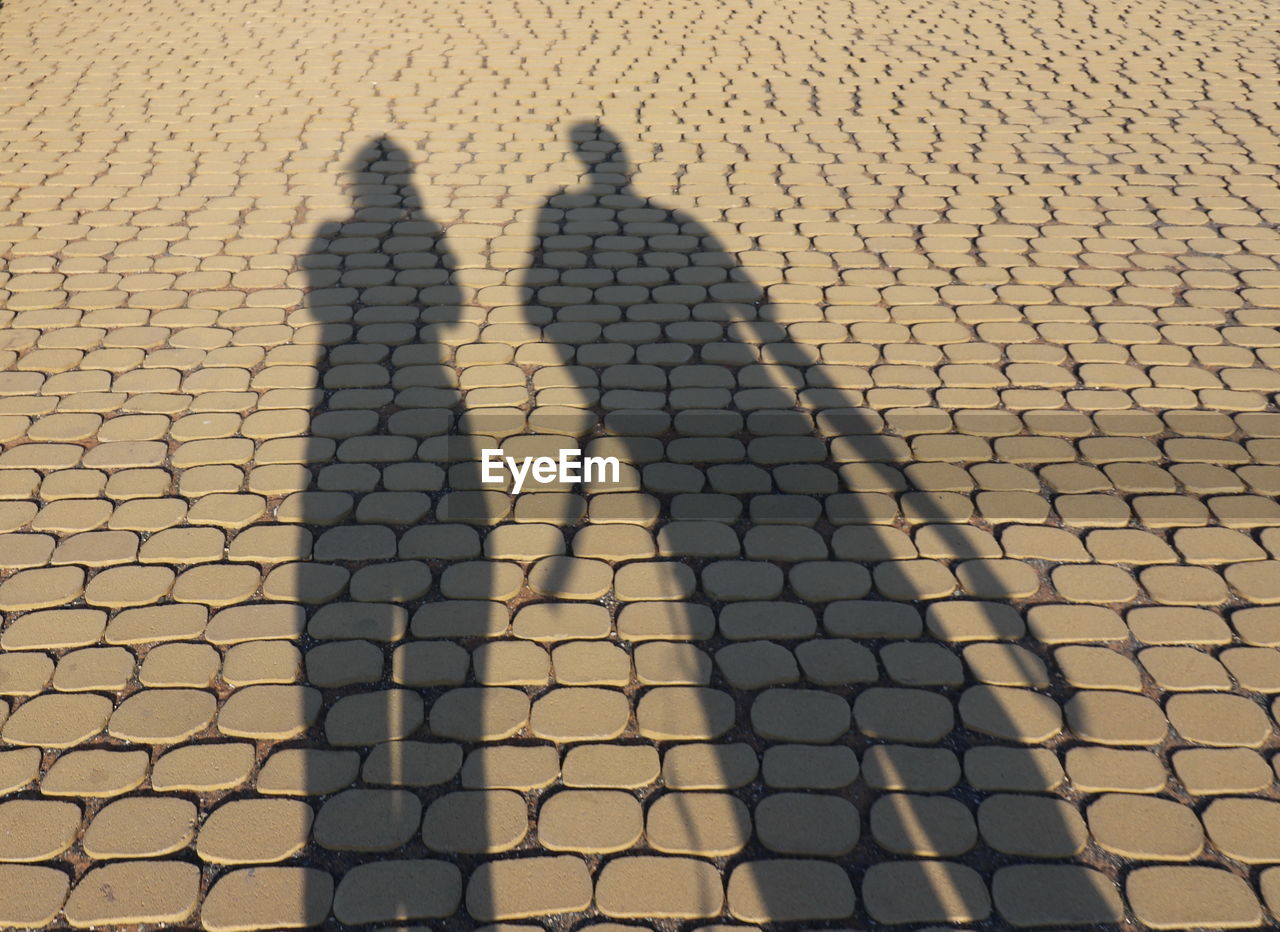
x=379, y=179
x=603, y=156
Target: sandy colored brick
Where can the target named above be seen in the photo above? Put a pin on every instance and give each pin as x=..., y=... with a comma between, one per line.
x=37, y=830
x=31, y=896
x=789, y=890
x=251, y=831
x=643, y=887
x=140, y=827
x=590, y=821
x=528, y=887
x=1033, y=895
x=163, y=716
x=925, y=891
x=397, y=890
x=58, y=721
x=263, y=897
x=134, y=892
x=203, y=767
x=1185, y=897
x=622, y=767
x=570, y=714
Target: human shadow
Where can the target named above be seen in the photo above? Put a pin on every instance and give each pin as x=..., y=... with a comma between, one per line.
x=765, y=491
x=383, y=648
x=592, y=700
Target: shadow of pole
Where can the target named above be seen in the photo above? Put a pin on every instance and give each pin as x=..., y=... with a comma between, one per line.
x=440, y=728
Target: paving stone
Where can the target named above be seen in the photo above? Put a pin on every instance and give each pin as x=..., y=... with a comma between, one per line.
x=411, y=763
x=193, y=665
x=367, y=820
x=922, y=825
x=743, y=621
x=913, y=716
x=269, y=712
x=1182, y=897
x=912, y=580
x=1098, y=668
x=570, y=578
x=139, y=827
x=510, y=663
x=742, y=580
x=859, y=619
x=1033, y=895
x=1027, y=770
x=1243, y=829
x=790, y=890
x=18, y=769
x=26, y=674
x=162, y=716
x=589, y=821
x=307, y=772
x=202, y=768
x=555, y=621
x=479, y=714
x=31, y=896
x=134, y=892
x=57, y=721
x=37, y=830
x=252, y=831
x=506, y=767
x=621, y=767
x=705, y=824
x=1212, y=772
x=752, y=665
x=806, y=824
x=684, y=713
x=1005, y=665
x=1254, y=668
x=836, y=662
x=569, y=714
x=95, y=772
x=902, y=767
x=1106, y=769
x=472, y=580
x=1114, y=718
x=925, y=891
x=530, y=887
x=266, y=897
x=1097, y=584
x=802, y=715
x=1178, y=626
x=423, y=663
x=648, y=621
x=1010, y=714
x=800, y=766
x=709, y=766
x=974, y=621
x=368, y=718
x=41, y=588
x=1065, y=624
x=1218, y=720
x=388, y=891
x=474, y=822
x=657, y=664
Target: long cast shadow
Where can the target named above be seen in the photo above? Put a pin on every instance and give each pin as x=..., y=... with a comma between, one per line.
x=755, y=462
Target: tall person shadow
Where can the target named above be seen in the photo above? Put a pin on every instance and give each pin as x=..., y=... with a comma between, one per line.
x=738, y=660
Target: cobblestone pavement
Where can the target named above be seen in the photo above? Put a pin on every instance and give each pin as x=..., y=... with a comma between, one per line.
x=938, y=343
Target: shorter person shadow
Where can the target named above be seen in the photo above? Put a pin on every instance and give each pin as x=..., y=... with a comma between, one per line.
x=757, y=495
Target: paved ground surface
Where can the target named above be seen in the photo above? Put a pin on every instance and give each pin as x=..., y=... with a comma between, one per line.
x=939, y=340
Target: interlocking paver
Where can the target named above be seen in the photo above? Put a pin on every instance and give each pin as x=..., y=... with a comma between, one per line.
x=948, y=465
